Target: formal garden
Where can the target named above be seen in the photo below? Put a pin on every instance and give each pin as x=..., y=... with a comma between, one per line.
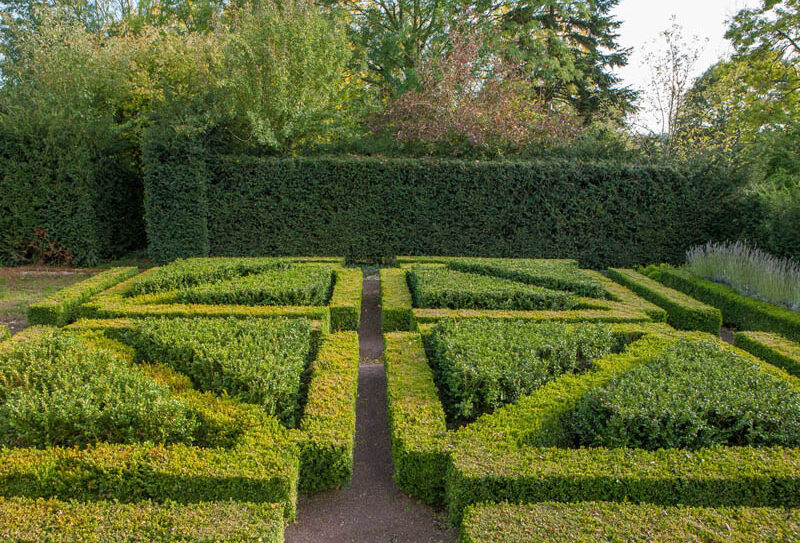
x=394, y=272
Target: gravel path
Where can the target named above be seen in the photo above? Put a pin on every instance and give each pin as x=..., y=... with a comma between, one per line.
x=371, y=509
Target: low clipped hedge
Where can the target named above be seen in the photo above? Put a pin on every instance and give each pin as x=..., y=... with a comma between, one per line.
x=416, y=419
x=739, y=311
x=296, y=285
x=5, y=333
x=441, y=287
x=683, y=312
x=397, y=312
x=257, y=361
x=552, y=274
x=153, y=293
x=328, y=425
x=61, y=308
x=694, y=395
x=596, y=522
x=711, y=477
x=481, y=365
x=773, y=348
x=58, y=391
x=54, y=521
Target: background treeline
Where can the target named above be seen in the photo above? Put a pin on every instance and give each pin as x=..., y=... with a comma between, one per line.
x=99, y=95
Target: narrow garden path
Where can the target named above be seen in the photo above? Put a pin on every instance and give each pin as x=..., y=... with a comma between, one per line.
x=371, y=509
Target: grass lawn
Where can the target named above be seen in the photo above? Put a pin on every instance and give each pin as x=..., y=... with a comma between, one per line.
x=20, y=287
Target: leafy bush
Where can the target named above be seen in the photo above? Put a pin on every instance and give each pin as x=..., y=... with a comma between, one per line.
x=743, y=312
x=61, y=308
x=258, y=361
x=483, y=364
x=296, y=285
x=773, y=348
x=55, y=521
x=695, y=395
x=441, y=287
x=601, y=213
x=749, y=271
x=189, y=272
x=594, y=522
x=56, y=391
x=554, y=274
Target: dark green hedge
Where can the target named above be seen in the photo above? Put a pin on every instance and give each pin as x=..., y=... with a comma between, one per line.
x=87, y=199
x=600, y=213
x=175, y=192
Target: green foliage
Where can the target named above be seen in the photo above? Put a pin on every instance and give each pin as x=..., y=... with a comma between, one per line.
x=329, y=417
x=258, y=361
x=190, y=272
x=57, y=391
x=296, y=285
x=446, y=207
x=61, y=308
x=437, y=286
x=683, y=312
x=739, y=311
x=416, y=419
x=175, y=192
x=773, y=348
x=482, y=365
x=695, y=395
x=595, y=522
x=397, y=312
x=553, y=274
x=55, y=521
x=4, y=332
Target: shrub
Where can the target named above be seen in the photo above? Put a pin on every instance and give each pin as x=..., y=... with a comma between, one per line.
x=749, y=271
x=61, y=308
x=484, y=364
x=592, y=522
x=190, y=272
x=695, y=395
x=683, y=312
x=4, y=332
x=55, y=521
x=56, y=391
x=554, y=274
x=297, y=285
x=447, y=207
x=254, y=360
x=739, y=311
x=445, y=288
x=773, y=348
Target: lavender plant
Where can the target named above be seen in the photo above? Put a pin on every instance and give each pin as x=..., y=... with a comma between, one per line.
x=748, y=270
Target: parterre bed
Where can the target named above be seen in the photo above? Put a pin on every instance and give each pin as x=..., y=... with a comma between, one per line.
x=233, y=415
x=519, y=444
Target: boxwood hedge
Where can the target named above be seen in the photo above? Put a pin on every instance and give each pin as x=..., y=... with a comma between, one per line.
x=54, y=521
x=61, y=308
x=683, y=312
x=773, y=348
x=596, y=522
x=739, y=311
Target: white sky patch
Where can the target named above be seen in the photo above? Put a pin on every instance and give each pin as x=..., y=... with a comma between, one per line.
x=643, y=20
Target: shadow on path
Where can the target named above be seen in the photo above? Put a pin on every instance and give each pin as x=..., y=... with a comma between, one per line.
x=371, y=509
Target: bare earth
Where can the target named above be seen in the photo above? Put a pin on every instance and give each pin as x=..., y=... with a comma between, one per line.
x=371, y=509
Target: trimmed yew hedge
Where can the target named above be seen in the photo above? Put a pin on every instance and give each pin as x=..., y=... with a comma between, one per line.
x=600, y=213
x=775, y=349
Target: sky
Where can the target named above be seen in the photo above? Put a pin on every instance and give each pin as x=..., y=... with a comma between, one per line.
x=643, y=20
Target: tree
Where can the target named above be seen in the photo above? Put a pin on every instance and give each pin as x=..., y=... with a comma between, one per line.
x=569, y=49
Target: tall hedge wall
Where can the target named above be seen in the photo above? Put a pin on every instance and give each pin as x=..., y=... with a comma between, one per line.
x=88, y=200
x=600, y=213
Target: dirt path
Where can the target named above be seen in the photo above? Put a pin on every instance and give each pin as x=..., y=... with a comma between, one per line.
x=371, y=509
